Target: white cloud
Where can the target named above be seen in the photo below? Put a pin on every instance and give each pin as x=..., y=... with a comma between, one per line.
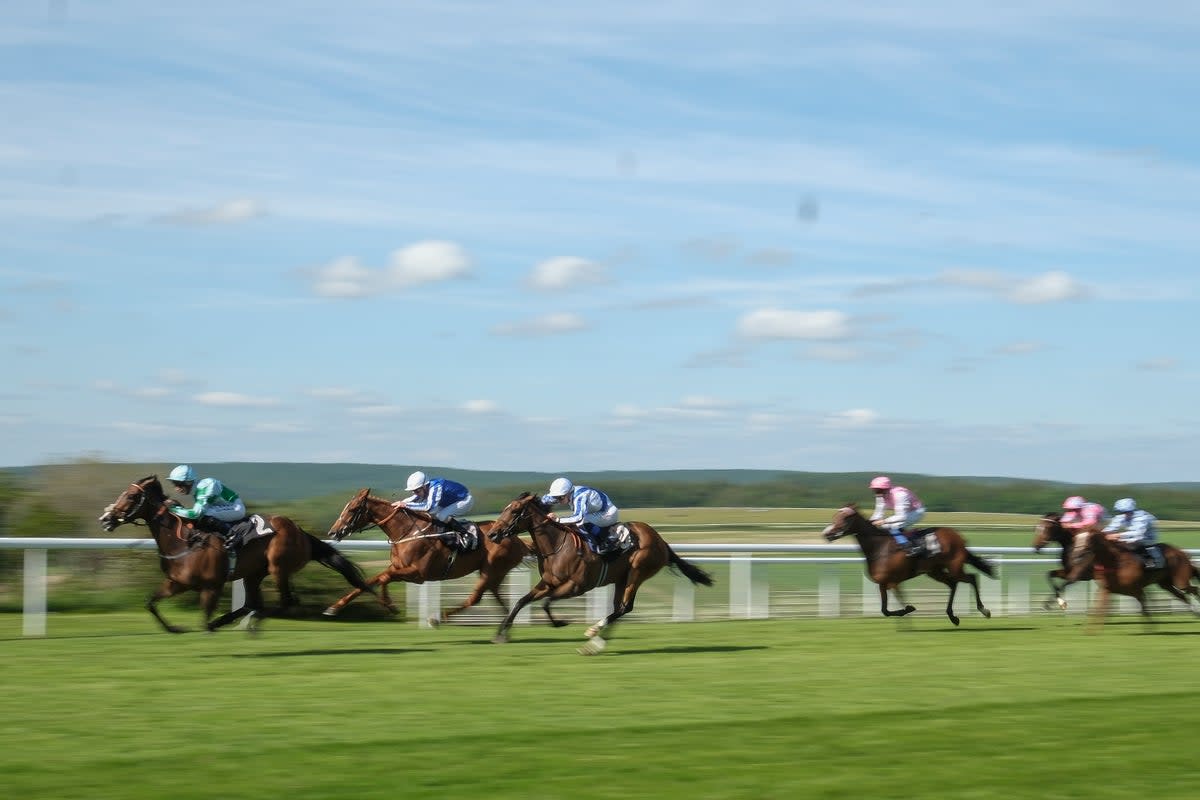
x=279, y=427
x=480, y=407
x=548, y=324
x=852, y=418
x=1157, y=364
x=377, y=410
x=345, y=277
x=234, y=400
x=775, y=323
x=428, y=262
x=228, y=213
x=566, y=272
x=331, y=393
x=1049, y=287
x=1020, y=348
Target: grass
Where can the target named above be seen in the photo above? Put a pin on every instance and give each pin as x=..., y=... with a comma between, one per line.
x=108, y=707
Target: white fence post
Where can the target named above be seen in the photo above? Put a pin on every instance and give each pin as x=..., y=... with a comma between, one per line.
x=740, y=599
x=829, y=603
x=34, y=621
x=683, y=609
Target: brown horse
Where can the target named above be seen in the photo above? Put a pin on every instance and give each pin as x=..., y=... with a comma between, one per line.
x=1050, y=529
x=943, y=558
x=568, y=568
x=205, y=566
x=1124, y=572
x=420, y=555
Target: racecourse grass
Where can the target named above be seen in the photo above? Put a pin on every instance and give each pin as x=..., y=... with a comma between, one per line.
x=107, y=706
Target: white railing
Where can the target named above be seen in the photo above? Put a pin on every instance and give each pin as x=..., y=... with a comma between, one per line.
x=833, y=584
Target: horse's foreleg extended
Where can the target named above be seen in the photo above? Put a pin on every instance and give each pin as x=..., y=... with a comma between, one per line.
x=168, y=588
x=622, y=604
x=381, y=579
x=484, y=583
x=1057, y=588
x=536, y=593
x=883, y=598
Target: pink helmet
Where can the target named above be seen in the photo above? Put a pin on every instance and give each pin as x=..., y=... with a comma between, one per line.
x=1073, y=503
x=882, y=482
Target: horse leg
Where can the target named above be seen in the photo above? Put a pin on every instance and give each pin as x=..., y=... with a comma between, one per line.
x=554, y=621
x=381, y=580
x=1099, y=610
x=944, y=578
x=536, y=593
x=169, y=588
x=252, y=606
x=973, y=579
x=1057, y=588
x=618, y=610
x=883, y=590
x=483, y=584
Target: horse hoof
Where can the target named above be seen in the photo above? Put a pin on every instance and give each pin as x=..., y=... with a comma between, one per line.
x=986, y=614
x=590, y=632
x=562, y=623
x=434, y=621
x=331, y=611
x=592, y=647
x=1062, y=604
x=500, y=638
x=909, y=609
x=955, y=620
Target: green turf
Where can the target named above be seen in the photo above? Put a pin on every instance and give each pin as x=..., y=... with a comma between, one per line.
x=108, y=707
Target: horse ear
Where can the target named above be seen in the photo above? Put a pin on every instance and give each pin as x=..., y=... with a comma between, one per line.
x=852, y=505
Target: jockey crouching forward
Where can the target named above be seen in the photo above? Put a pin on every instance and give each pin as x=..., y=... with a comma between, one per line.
x=907, y=510
x=1081, y=518
x=216, y=506
x=441, y=498
x=591, y=511
x=1136, y=530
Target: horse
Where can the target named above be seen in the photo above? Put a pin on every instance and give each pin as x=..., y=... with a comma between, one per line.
x=1050, y=529
x=569, y=568
x=1125, y=572
x=419, y=555
x=944, y=559
x=206, y=567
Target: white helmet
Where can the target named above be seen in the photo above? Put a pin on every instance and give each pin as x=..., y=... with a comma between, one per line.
x=182, y=474
x=561, y=487
x=1124, y=505
x=415, y=481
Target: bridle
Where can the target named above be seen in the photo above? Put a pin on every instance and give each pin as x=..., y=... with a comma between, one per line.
x=360, y=520
x=132, y=517
x=526, y=512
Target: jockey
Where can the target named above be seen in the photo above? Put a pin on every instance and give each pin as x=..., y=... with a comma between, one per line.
x=216, y=504
x=441, y=498
x=907, y=509
x=591, y=511
x=1137, y=530
x=1079, y=515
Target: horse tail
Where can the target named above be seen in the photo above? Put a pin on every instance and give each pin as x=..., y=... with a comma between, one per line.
x=981, y=564
x=689, y=570
x=328, y=555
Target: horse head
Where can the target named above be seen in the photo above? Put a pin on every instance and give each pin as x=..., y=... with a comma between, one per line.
x=842, y=524
x=1049, y=529
x=140, y=500
x=355, y=517
x=517, y=516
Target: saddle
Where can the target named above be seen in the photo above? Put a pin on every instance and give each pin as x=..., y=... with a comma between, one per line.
x=463, y=537
x=612, y=541
x=924, y=542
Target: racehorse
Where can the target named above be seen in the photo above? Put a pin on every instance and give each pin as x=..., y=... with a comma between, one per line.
x=205, y=565
x=1050, y=529
x=569, y=568
x=419, y=554
x=943, y=558
x=1125, y=572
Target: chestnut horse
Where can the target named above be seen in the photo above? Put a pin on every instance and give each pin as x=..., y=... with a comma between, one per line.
x=419, y=554
x=569, y=568
x=1050, y=529
x=205, y=566
x=1124, y=572
x=943, y=559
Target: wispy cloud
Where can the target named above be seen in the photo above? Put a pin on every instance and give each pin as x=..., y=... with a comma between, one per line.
x=415, y=265
x=230, y=212
x=235, y=400
x=776, y=323
x=545, y=325
x=566, y=272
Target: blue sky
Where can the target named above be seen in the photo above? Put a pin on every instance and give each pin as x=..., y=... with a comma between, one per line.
x=939, y=237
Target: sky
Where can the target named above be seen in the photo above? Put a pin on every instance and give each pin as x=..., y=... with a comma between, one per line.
x=937, y=237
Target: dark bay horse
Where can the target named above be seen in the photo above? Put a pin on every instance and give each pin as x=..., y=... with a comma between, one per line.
x=419, y=555
x=1050, y=529
x=1124, y=572
x=889, y=566
x=204, y=567
x=569, y=568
